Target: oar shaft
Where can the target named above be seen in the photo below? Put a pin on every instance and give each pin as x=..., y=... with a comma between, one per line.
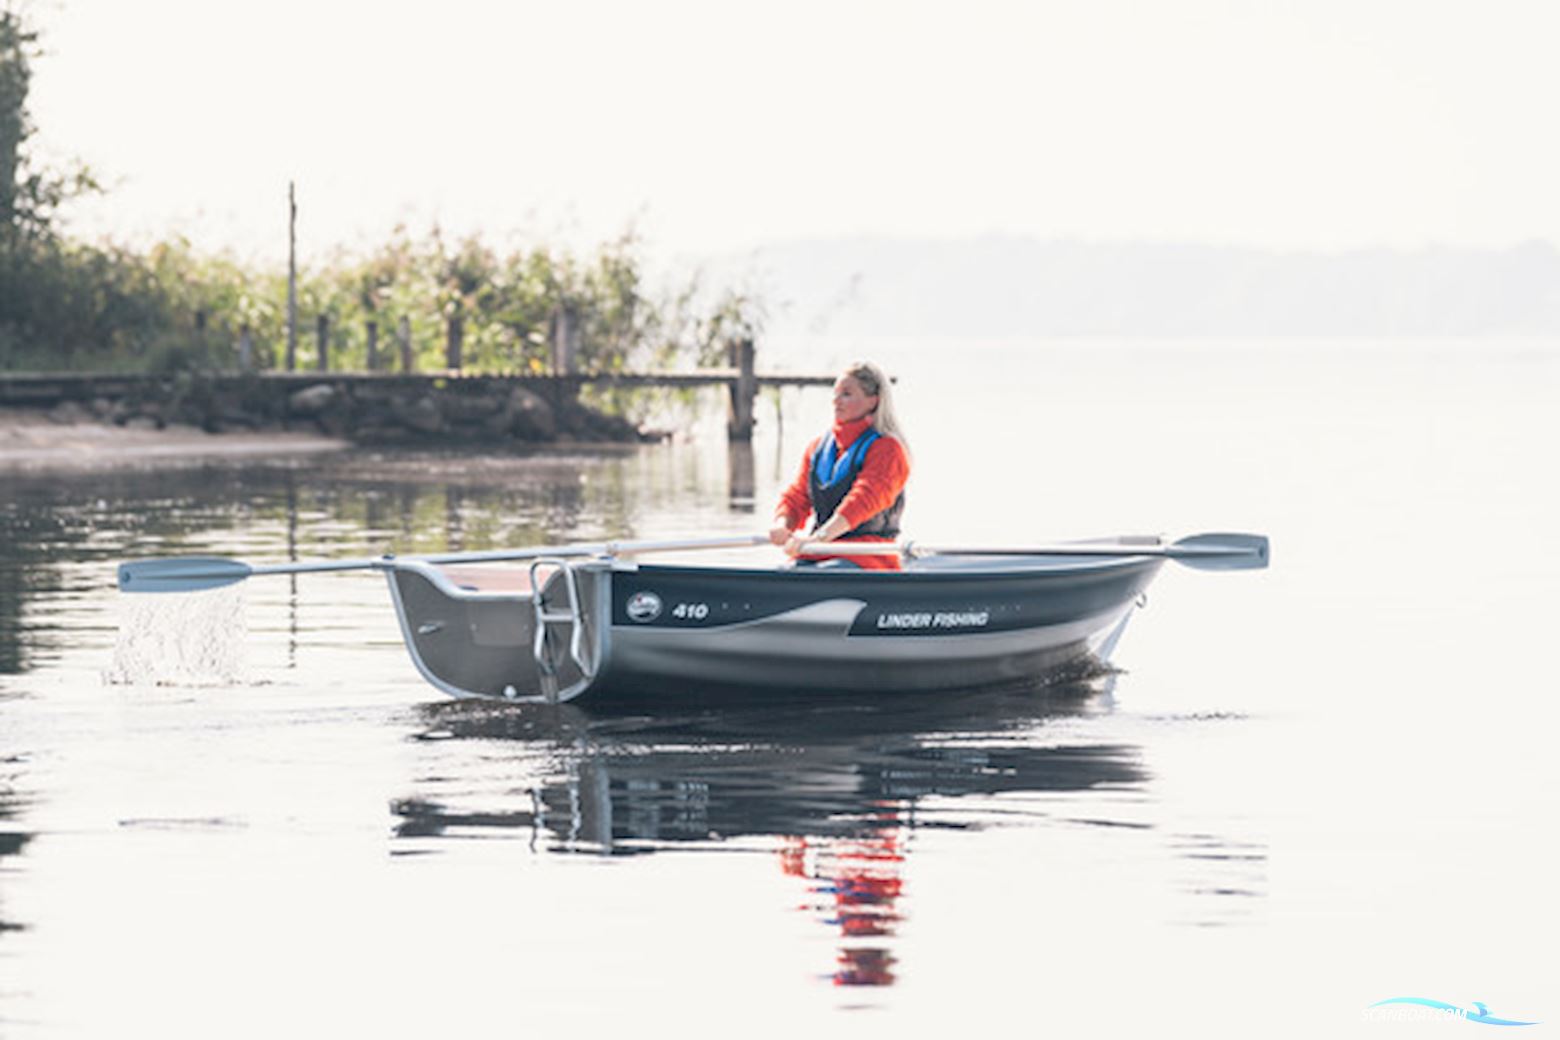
x=1206, y=551
x=598, y=549
x=917, y=549
x=191, y=574
x=1068, y=550
x=853, y=549
x=313, y=566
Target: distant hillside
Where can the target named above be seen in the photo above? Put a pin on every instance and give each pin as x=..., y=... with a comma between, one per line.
x=1012, y=287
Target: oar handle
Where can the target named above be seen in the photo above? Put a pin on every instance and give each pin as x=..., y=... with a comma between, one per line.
x=854, y=549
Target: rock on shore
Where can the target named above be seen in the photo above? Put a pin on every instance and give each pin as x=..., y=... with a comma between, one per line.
x=425, y=412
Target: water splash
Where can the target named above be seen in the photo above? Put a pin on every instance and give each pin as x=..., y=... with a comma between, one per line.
x=180, y=639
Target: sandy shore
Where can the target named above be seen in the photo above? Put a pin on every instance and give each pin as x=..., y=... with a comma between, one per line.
x=32, y=441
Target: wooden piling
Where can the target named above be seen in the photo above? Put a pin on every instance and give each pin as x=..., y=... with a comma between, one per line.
x=743, y=392
x=292, y=278
x=565, y=341
x=246, y=348
x=454, y=334
x=403, y=335
x=371, y=355
x=322, y=334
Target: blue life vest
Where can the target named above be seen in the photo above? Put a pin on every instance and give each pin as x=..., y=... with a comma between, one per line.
x=830, y=479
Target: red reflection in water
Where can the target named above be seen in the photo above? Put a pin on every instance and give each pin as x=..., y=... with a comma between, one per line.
x=862, y=877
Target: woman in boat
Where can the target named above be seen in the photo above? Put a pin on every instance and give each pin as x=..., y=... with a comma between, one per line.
x=852, y=478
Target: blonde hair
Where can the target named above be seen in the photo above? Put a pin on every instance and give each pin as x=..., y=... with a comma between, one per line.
x=885, y=419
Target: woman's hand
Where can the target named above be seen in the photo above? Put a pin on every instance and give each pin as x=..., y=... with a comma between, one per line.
x=827, y=533
x=780, y=533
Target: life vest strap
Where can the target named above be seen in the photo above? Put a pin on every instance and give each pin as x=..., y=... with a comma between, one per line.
x=828, y=469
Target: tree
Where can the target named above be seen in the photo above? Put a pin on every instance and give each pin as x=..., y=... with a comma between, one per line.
x=29, y=196
x=54, y=297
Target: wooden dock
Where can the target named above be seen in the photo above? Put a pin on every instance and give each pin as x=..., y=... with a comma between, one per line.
x=44, y=389
x=51, y=389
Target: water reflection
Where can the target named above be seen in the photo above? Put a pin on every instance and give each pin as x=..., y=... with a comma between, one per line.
x=624, y=781
x=358, y=503
x=741, y=476
x=1224, y=876
x=12, y=839
x=839, y=789
x=856, y=884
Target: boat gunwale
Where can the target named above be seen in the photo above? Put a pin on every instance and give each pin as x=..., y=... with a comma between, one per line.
x=1049, y=565
x=1063, y=565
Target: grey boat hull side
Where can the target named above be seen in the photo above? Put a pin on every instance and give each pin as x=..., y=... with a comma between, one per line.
x=810, y=650
x=848, y=631
x=939, y=625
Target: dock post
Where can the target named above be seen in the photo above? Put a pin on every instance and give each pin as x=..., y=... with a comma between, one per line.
x=322, y=334
x=403, y=335
x=743, y=392
x=292, y=277
x=453, y=335
x=371, y=357
x=565, y=341
x=246, y=348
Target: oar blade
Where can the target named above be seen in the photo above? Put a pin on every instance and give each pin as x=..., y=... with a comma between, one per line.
x=181, y=574
x=1221, y=552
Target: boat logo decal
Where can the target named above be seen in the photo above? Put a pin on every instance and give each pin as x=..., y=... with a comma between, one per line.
x=643, y=606
x=963, y=619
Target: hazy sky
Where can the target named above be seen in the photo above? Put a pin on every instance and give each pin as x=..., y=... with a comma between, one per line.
x=720, y=125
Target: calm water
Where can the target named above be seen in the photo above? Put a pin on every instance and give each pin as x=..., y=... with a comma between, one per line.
x=244, y=814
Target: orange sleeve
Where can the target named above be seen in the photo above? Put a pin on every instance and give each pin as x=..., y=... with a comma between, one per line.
x=883, y=475
x=796, y=500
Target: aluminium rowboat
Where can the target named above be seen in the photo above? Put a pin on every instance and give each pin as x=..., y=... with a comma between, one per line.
x=611, y=626
x=592, y=619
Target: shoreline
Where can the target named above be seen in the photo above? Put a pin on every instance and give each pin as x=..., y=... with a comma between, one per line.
x=33, y=442
x=89, y=425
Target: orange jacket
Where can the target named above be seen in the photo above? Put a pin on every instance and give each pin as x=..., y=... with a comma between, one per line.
x=881, y=480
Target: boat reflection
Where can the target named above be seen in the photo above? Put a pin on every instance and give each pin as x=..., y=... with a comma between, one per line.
x=608, y=778
x=12, y=842
x=843, y=787
x=856, y=883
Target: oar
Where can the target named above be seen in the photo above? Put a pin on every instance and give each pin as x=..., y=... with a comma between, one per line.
x=1208, y=552
x=194, y=573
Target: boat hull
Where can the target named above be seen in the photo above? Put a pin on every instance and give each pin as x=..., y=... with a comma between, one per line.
x=952, y=623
